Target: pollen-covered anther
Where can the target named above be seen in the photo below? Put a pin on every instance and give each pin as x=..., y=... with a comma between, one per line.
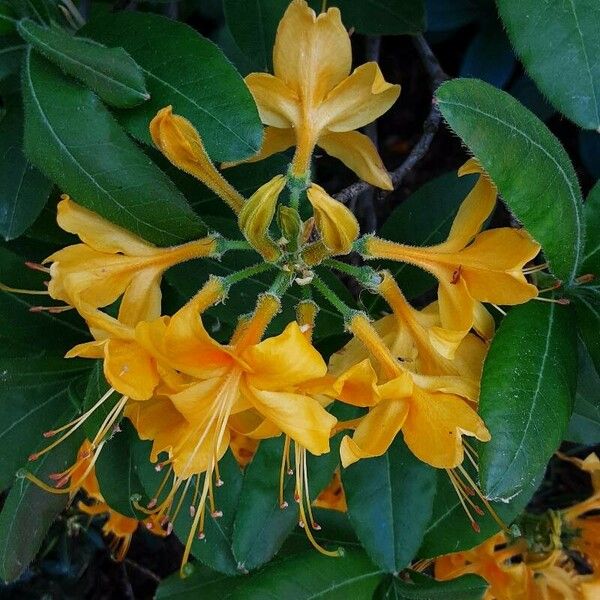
x=201, y=535
x=219, y=482
x=152, y=503
x=301, y=524
x=283, y=505
x=316, y=526
x=216, y=514
x=192, y=511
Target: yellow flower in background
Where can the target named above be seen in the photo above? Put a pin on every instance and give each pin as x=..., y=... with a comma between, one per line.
x=333, y=496
x=471, y=266
x=113, y=262
x=313, y=99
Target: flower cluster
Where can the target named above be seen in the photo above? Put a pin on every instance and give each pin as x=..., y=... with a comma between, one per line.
x=413, y=371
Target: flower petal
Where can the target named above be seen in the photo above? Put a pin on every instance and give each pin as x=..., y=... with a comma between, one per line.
x=456, y=304
x=283, y=361
x=375, y=432
x=336, y=224
x=357, y=100
x=300, y=417
x=359, y=154
x=275, y=140
x=358, y=385
x=434, y=427
x=198, y=399
x=278, y=104
x=312, y=54
x=142, y=298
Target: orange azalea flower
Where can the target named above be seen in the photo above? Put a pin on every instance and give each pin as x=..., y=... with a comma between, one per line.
x=314, y=100
x=333, y=496
x=112, y=262
x=471, y=266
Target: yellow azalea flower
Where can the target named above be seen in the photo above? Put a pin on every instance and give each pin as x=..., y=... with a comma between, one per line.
x=314, y=100
x=256, y=216
x=216, y=383
x=471, y=266
x=112, y=262
x=181, y=144
x=333, y=496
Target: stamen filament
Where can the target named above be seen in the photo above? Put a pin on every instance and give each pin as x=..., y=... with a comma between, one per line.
x=6, y=288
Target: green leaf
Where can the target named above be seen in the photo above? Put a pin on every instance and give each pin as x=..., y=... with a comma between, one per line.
x=530, y=167
x=421, y=587
x=23, y=189
x=118, y=472
x=584, y=427
x=29, y=511
x=202, y=583
x=565, y=61
x=311, y=575
x=423, y=219
x=8, y=21
x=42, y=11
x=253, y=23
x=587, y=307
x=390, y=502
x=527, y=393
x=75, y=141
x=259, y=515
x=11, y=53
x=34, y=390
x=591, y=211
x=189, y=72
x=60, y=332
x=110, y=72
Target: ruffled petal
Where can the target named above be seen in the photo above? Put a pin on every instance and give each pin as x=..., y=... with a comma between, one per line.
x=435, y=425
x=278, y=104
x=283, y=361
x=357, y=100
x=142, y=298
x=196, y=402
x=336, y=224
x=359, y=154
x=312, y=54
x=375, y=432
x=358, y=385
x=301, y=417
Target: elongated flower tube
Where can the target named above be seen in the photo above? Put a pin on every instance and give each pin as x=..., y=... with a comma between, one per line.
x=314, y=100
x=471, y=267
x=112, y=262
x=256, y=216
x=179, y=141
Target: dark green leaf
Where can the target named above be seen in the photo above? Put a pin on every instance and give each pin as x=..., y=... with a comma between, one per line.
x=8, y=21
x=202, y=583
x=11, y=53
x=530, y=167
x=587, y=307
x=259, y=515
x=23, y=189
x=29, y=511
x=390, y=502
x=584, y=427
x=34, y=390
x=423, y=219
x=589, y=150
x=527, y=393
x=591, y=211
x=73, y=139
x=311, y=575
x=42, y=11
x=445, y=16
x=110, y=72
x=565, y=61
x=189, y=72
x=469, y=587
x=527, y=93
x=58, y=331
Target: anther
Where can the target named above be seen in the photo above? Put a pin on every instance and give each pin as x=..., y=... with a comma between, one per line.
x=216, y=514
x=192, y=511
x=169, y=528
x=283, y=505
x=152, y=503
x=475, y=527
x=587, y=278
x=219, y=482
x=36, y=266
x=301, y=524
x=316, y=526
x=33, y=456
x=149, y=525
x=201, y=535
x=50, y=433
x=290, y=471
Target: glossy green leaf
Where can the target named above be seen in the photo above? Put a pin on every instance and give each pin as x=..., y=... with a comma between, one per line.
x=527, y=394
x=311, y=575
x=117, y=471
x=259, y=515
x=421, y=587
x=75, y=141
x=12, y=49
x=565, y=60
x=29, y=511
x=201, y=583
x=42, y=11
x=531, y=169
x=390, y=502
x=423, y=219
x=215, y=550
x=8, y=21
x=110, y=72
x=591, y=211
x=189, y=72
x=443, y=15
x=59, y=332
x=23, y=189
x=253, y=23
x=584, y=427
x=34, y=390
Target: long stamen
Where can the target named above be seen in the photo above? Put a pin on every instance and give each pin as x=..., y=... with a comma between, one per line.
x=37, y=267
x=53, y=310
x=460, y=494
x=535, y=269
x=285, y=458
x=6, y=288
x=113, y=415
x=313, y=522
x=562, y=301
